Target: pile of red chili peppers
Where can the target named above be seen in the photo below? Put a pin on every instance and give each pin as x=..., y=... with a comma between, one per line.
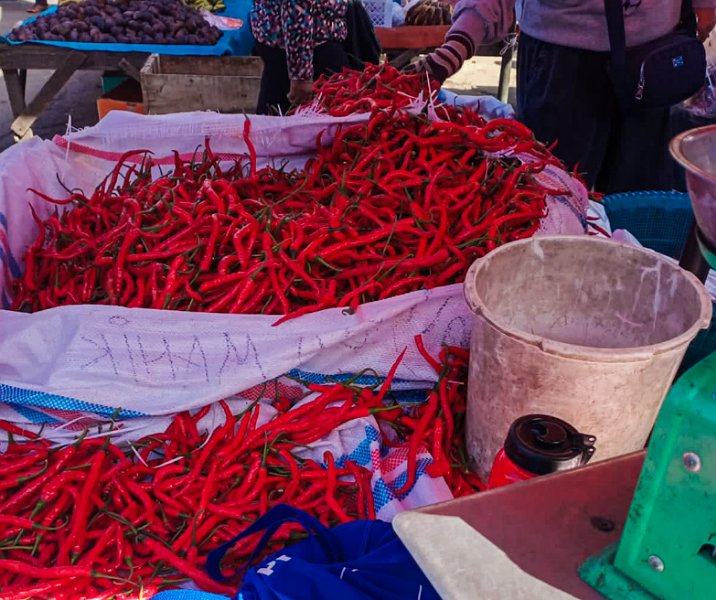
x=390, y=206
x=378, y=87
x=93, y=520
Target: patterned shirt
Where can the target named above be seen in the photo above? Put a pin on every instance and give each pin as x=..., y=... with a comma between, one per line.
x=298, y=26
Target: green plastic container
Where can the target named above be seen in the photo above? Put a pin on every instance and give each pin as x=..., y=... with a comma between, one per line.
x=661, y=221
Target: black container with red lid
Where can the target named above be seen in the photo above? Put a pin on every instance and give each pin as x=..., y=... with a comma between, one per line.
x=538, y=445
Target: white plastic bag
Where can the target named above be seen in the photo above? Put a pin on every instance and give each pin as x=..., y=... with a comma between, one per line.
x=488, y=106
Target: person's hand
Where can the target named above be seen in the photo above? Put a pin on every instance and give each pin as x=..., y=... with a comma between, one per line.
x=419, y=65
x=426, y=64
x=300, y=92
x=706, y=20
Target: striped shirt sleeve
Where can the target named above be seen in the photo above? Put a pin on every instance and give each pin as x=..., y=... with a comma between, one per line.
x=475, y=23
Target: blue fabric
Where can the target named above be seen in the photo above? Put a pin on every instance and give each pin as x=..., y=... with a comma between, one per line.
x=232, y=43
x=361, y=560
x=187, y=595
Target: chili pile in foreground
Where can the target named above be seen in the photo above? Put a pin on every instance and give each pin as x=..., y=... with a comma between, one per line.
x=97, y=520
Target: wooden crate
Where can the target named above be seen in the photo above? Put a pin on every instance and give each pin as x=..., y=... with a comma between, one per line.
x=226, y=84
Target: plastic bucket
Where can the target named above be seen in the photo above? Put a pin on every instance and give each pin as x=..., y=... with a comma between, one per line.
x=588, y=330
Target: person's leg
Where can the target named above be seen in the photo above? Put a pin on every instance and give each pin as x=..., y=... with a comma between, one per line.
x=638, y=154
x=273, y=94
x=40, y=5
x=328, y=58
x=563, y=95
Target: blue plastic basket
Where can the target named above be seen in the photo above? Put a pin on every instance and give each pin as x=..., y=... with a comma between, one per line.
x=661, y=221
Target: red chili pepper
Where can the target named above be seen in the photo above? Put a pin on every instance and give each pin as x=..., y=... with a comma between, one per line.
x=186, y=568
x=437, y=367
x=14, y=465
x=15, y=430
x=78, y=527
x=26, y=494
x=41, y=590
x=211, y=245
x=250, y=146
x=22, y=568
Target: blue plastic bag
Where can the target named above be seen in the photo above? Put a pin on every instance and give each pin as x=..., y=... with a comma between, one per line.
x=362, y=560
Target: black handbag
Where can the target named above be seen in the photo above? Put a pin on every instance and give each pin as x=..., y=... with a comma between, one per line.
x=660, y=73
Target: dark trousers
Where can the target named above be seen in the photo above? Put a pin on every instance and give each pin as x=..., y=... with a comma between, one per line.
x=565, y=95
x=328, y=58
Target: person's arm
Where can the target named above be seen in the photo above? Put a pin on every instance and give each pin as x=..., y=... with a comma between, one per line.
x=474, y=23
x=297, y=23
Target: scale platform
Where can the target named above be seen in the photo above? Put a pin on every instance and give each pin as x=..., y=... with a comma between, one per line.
x=547, y=527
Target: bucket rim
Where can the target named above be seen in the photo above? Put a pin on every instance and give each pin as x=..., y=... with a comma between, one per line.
x=576, y=351
x=676, y=148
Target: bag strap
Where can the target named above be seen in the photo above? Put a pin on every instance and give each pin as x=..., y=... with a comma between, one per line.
x=271, y=522
x=688, y=17
x=614, y=10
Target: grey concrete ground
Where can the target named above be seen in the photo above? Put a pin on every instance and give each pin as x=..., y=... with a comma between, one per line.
x=480, y=76
x=78, y=99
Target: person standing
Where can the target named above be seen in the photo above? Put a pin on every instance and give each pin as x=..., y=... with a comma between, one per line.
x=564, y=89
x=40, y=6
x=297, y=40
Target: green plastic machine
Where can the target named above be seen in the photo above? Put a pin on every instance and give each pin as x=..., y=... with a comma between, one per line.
x=668, y=546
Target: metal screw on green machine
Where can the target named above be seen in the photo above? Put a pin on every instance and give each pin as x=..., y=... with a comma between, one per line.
x=668, y=547
x=692, y=461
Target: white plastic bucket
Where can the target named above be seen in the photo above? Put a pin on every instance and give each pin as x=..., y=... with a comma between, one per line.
x=588, y=330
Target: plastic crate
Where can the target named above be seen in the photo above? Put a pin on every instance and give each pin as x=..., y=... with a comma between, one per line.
x=380, y=12
x=661, y=221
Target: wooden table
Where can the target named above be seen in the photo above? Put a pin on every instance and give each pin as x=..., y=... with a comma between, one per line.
x=413, y=40
x=17, y=60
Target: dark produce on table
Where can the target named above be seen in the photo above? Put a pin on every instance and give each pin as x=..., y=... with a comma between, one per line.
x=121, y=22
